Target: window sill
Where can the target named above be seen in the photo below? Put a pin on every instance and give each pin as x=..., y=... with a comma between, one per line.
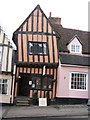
x=38, y=54
x=79, y=90
x=3, y=94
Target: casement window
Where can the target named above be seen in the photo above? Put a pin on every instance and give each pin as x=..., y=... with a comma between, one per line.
x=78, y=81
x=38, y=48
x=3, y=86
x=75, y=48
x=0, y=53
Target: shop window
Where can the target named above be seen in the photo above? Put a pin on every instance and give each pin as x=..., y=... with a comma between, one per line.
x=36, y=82
x=47, y=83
x=41, y=82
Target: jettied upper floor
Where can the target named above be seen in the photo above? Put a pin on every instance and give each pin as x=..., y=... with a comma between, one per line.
x=36, y=41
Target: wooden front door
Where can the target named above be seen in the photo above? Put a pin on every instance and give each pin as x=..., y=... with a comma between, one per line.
x=23, y=86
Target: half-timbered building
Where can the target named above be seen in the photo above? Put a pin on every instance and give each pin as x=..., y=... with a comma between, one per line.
x=6, y=80
x=37, y=57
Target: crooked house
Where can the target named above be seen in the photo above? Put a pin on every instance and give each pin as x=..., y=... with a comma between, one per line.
x=37, y=57
x=51, y=61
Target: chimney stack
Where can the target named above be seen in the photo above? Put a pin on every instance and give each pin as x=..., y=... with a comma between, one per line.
x=54, y=20
x=50, y=14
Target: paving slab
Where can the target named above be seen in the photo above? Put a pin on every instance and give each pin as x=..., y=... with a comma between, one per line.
x=36, y=111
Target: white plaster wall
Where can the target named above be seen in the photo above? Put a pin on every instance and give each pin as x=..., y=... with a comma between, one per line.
x=10, y=59
x=4, y=59
x=6, y=98
x=1, y=36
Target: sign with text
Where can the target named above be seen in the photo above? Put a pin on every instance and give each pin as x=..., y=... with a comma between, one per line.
x=42, y=101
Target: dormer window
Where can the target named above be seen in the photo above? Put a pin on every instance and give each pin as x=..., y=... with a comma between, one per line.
x=75, y=45
x=75, y=48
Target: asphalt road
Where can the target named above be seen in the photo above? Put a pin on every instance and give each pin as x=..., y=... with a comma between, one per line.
x=49, y=118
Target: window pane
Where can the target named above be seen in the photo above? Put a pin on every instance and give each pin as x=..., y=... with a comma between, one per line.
x=4, y=88
x=73, y=48
x=77, y=48
x=38, y=83
x=0, y=89
x=0, y=53
x=5, y=81
x=78, y=81
x=44, y=80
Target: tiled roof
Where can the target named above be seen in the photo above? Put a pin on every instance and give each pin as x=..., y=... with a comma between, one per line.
x=67, y=34
x=5, y=36
x=74, y=59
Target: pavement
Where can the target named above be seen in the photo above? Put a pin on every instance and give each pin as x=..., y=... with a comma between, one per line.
x=37, y=111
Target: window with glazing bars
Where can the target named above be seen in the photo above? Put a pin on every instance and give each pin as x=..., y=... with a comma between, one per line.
x=38, y=48
x=3, y=86
x=79, y=81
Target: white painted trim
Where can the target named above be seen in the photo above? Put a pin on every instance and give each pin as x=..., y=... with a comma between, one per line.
x=7, y=88
x=86, y=81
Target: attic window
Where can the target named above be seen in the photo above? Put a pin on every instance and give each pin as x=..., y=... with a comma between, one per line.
x=75, y=48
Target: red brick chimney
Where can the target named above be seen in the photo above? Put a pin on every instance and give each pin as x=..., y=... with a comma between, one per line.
x=54, y=20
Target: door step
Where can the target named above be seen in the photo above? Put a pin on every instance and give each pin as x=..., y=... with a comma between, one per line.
x=22, y=101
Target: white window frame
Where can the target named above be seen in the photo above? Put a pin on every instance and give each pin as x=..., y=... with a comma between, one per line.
x=0, y=54
x=78, y=48
x=75, y=48
x=4, y=84
x=85, y=73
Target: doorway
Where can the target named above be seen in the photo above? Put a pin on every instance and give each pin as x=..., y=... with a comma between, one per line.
x=23, y=86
